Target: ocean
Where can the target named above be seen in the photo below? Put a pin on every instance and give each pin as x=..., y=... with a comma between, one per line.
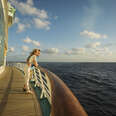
x=94, y=84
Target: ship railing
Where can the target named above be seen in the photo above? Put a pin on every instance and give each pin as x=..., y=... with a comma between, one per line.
x=41, y=80
x=19, y=66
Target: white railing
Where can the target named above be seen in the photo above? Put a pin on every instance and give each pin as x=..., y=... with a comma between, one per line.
x=41, y=80
x=20, y=66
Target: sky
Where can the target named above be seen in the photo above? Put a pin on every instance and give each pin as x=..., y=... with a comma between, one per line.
x=64, y=30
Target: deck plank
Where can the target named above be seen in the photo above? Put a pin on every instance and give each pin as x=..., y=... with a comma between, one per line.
x=13, y=101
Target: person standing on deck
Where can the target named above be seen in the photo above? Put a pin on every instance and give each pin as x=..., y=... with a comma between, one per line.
x=31, y=60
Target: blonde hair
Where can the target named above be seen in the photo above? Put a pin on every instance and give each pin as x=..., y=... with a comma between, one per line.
x=31, y=54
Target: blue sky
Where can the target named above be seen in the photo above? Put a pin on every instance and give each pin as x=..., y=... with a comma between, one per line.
x=64, y=30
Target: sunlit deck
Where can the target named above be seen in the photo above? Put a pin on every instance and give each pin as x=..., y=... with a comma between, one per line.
x=13, y=101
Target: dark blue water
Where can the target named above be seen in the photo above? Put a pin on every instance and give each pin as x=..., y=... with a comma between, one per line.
x=94, y=84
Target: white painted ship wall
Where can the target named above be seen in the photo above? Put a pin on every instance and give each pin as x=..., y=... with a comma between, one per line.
x=5, y=12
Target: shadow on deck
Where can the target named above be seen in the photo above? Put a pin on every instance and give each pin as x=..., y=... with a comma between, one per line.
x=13, y=101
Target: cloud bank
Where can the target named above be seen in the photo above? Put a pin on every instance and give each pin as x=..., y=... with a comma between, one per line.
x=30, y=41
x=51, y=51
x=39, y=17
x=93, y=35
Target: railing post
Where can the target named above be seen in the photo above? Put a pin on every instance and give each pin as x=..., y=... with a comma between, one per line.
x=35, y=78
x=42, y=85
x=49, y=87
x=45, y=84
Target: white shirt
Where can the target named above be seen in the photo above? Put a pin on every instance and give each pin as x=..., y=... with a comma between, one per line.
x=32, y=58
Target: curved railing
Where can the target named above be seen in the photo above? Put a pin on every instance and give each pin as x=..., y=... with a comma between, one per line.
x=19, y=66
x=42, y=81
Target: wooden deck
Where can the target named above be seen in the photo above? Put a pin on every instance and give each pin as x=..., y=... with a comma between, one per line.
x=13, y=101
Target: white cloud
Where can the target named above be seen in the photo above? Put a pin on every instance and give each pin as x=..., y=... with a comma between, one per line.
x=110, y=53
x=28, y=8
x=51, y=51
x=75, y=51
x=93, y=45
x=16, y=20
x=92, y=35
x=25, y=48
x=101, y=49
x=39, y=18
x=30, y=2
x=36, y=43
x=29, y=40
x=41, y=24
x=68, y=52
x=22, y=27
x=102, y=52
x=97, y=49
x=109, y=44
x=11, y=49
